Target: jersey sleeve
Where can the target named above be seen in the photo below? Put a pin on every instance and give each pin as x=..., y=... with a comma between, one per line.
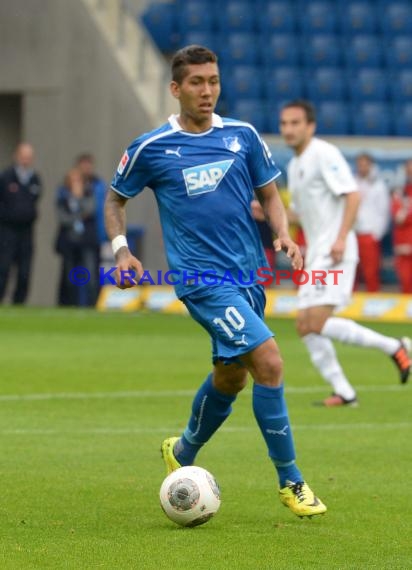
x=262, y=167
x=133, y=173
x=336, y=171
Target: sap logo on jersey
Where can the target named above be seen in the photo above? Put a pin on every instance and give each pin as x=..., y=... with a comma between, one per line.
x=205, y=177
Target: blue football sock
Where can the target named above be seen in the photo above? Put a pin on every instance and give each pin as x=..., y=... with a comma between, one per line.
x=271, y=414
x=209, y=410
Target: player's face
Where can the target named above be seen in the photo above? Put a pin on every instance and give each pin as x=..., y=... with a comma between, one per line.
x=198, y=94
x=295, y=128
x=24, y=155
x=363, y=166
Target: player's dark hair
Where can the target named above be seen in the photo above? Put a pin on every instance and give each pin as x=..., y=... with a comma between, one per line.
x=307, y=107
x=190, y=55
x=366, y=156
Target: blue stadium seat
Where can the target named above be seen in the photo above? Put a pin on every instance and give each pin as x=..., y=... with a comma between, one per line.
x=317, y=17
x=400, y=85
x=251, y=111
x=396, y=18
x=236, y=16
x=282, y=84
x=326, y=83
x=358, y=18
x=398, y=52
x=203, y=38
x=196, y=15
x=239, y=48
x=368, y=85
x=276, y=18
x=371, y=119
x=241, y=82
x=402, y=119
x=321, y=50
x=280, y=50
x=332, y=118
x=161, y=21
x=364, y=51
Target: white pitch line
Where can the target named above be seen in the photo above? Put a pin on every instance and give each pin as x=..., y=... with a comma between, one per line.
x=168, y=393
x=231, y=429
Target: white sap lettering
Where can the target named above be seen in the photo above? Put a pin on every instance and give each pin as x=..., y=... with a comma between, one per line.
x=192, y=180
x=215, y=174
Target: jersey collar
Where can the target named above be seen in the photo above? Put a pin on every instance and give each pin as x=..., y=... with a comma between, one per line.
x=216, y=122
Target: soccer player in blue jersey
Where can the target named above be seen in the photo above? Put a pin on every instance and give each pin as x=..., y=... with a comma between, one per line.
x=203, y=170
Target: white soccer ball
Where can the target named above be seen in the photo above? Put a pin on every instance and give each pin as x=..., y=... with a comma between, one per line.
x=190, y=496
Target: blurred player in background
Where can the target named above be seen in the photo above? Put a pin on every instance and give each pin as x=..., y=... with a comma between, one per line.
x=402, y=231
x=20, y=190
x=372, y=220
x=204, y=170
x=325, y=196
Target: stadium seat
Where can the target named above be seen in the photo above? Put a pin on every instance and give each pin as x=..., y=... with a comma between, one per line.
x=239, y=48
x=326, y=83
x=161, y=22
x=196, y=15
x=276, y=18
x=398, y=52
x=320, y=50
x=236, y=16
x=402, y=119
x=367, y=85
x=396, y=18
x=371, y=119
x=280, y=50
x=317, y=17
x=400, y=85
x=332, y=118
x=251, y=111
x=241, y=82
x=203, y=38
x=282, y=84
x=358, y=18
x=363, y=51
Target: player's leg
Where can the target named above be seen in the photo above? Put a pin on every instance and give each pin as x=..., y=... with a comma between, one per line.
x=270, y=409
x=323, y=355
x=210, y=408
x=350, y=332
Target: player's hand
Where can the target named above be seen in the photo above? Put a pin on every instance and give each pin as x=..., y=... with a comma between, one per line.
x=338, y=250
x=128, y=269
x=291, y=249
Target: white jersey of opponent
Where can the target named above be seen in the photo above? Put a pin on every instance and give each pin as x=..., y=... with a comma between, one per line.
x=317, y=179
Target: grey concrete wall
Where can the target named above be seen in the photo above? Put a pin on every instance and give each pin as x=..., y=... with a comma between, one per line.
x=75, y=98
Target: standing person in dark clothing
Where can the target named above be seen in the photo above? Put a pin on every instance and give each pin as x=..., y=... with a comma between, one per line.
x=95, y=185
x=20, y=189
x=77, y=240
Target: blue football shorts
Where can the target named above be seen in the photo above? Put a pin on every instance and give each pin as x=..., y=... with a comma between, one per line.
x=233, y=316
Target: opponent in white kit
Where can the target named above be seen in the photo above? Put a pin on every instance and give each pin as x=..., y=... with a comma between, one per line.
x=325, y=199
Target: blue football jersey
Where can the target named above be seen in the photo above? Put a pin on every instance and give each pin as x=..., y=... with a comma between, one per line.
x=204, y=184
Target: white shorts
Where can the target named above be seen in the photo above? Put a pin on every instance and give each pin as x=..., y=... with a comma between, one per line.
x=327, y=288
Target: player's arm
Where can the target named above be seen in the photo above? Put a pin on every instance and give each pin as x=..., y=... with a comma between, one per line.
x=352, y=201
x=276, y=217
x=128, y=267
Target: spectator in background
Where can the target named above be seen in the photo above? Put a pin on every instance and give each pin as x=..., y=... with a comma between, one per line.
x=402, y=231
x=77, y=240
x=20, y=189
x=86, y=164
x=372, y=220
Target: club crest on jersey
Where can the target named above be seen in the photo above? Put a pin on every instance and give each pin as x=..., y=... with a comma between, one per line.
x=205, y=177
x=232, y=144
x=123, y=162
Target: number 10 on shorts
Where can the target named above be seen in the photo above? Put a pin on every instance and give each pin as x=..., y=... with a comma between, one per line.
x=233, y=318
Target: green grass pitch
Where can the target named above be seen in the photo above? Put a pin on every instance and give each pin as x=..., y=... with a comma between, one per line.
x=86, y=399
